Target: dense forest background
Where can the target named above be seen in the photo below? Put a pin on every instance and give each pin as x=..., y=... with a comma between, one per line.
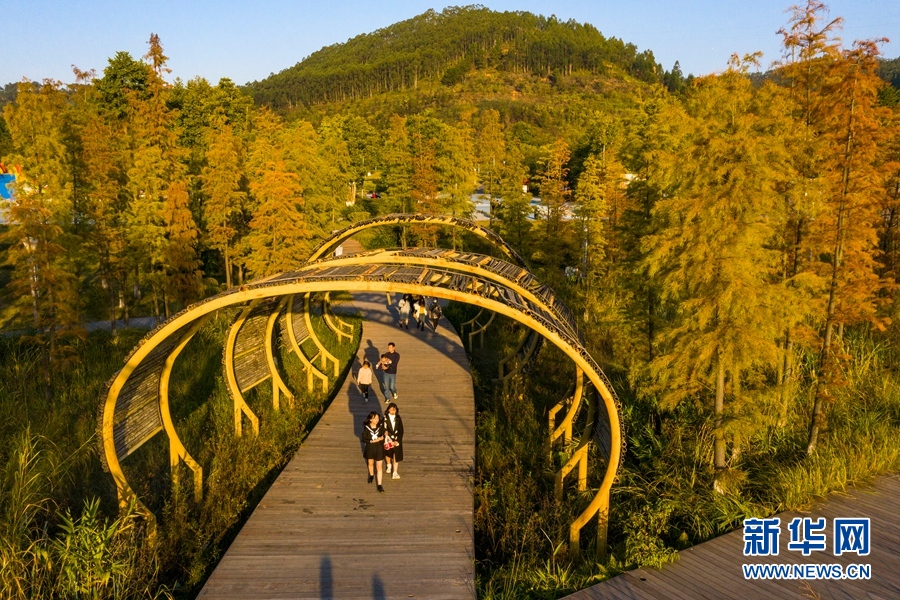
x=731, y=242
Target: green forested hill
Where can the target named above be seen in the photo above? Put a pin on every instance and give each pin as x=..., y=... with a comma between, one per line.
x=889, y=70
x=444, y=47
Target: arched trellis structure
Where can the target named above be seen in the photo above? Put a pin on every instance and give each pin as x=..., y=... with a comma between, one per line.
x=530, y=342
x=135, y=408
x=416, y=219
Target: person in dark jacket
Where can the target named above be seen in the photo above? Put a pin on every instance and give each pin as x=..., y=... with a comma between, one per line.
x=393, y=432
x=389, y=367
x=372, y=438
x=435, y=312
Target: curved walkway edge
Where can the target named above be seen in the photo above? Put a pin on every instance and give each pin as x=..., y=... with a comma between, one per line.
x=322, y=532
x=714, y=569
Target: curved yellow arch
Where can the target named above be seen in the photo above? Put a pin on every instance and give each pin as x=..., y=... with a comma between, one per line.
x=312, y=371
x=482, y=266
x=446, y=280
x=416, y=219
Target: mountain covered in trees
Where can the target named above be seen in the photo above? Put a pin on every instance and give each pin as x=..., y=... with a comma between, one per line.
x=445, y=46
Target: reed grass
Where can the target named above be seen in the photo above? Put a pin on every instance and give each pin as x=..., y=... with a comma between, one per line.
x=61, y=533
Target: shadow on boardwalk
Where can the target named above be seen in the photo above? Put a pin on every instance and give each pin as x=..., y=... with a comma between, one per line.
x=322, y=532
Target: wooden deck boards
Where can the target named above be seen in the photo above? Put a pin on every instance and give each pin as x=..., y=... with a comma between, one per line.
x=713, y=569
x=322, y=532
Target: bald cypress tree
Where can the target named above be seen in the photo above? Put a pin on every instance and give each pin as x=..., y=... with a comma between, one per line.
x=713, y=253
x=184, y=279
x=657, y=138
x=280, y=236
x=423, y=183
x=834, y=203
x=156, y=164
x=222, y=184
x=397, y=174
x=515, y=207
x=44, y=286
x=846, y=234
x=554, y=183
x=490, y=151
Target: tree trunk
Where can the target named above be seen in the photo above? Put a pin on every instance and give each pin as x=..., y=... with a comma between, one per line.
x=786, y=377
x=735, y=437
x=112, y=308
x=817, y=421
x=650, y=332
x=155, y=302
x=818, y=416
x=227, y=269
x=719, y=448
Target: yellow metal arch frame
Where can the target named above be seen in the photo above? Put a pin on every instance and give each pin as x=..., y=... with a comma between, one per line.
x=480, y=331
x=445, y=282
x=323, y=352
x=515, y=277
x=336, y=325
x=416, y=219
x=311, y=371
x=279, y=388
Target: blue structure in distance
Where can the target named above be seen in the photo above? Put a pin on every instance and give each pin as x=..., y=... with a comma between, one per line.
x=5, y=180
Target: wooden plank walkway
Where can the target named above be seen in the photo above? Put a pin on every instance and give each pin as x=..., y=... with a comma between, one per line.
x=322, y=532
x=713, y=569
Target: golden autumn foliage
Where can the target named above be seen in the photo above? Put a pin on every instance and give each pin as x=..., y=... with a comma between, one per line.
x=723, y=243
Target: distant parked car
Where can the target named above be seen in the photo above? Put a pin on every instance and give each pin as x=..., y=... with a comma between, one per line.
x=374, y=195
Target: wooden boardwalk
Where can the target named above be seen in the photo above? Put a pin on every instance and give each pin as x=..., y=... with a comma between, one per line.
x=322, y=532
x=713, y=569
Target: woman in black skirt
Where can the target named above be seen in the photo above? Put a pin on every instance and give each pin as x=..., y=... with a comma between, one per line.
x=373, y=446
x=393, y=431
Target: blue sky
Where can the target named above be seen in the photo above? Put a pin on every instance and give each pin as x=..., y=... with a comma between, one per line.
x=247, y=41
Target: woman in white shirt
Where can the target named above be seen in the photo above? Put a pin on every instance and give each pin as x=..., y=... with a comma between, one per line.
x=364, y=379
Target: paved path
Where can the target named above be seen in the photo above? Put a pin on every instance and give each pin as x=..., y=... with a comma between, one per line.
x=322, y=532
x=713, y=569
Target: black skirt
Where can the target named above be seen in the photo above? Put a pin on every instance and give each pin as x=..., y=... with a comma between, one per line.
x=374, y=451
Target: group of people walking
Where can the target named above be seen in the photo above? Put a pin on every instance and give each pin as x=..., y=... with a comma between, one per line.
x=388, y=365
x=382, y=439
x=422, y=310
x=382, y=436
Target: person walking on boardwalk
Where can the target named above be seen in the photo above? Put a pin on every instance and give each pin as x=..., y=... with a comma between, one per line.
x=383, y=363
x=435, y=313
x=421, y=314
x=393, y=436
x=372, y=438
x=405, y=306
x=389, y=368
x=364, y=379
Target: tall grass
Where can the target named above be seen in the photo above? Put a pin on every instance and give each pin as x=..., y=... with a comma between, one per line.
x=61, y=533
x=88, y=556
